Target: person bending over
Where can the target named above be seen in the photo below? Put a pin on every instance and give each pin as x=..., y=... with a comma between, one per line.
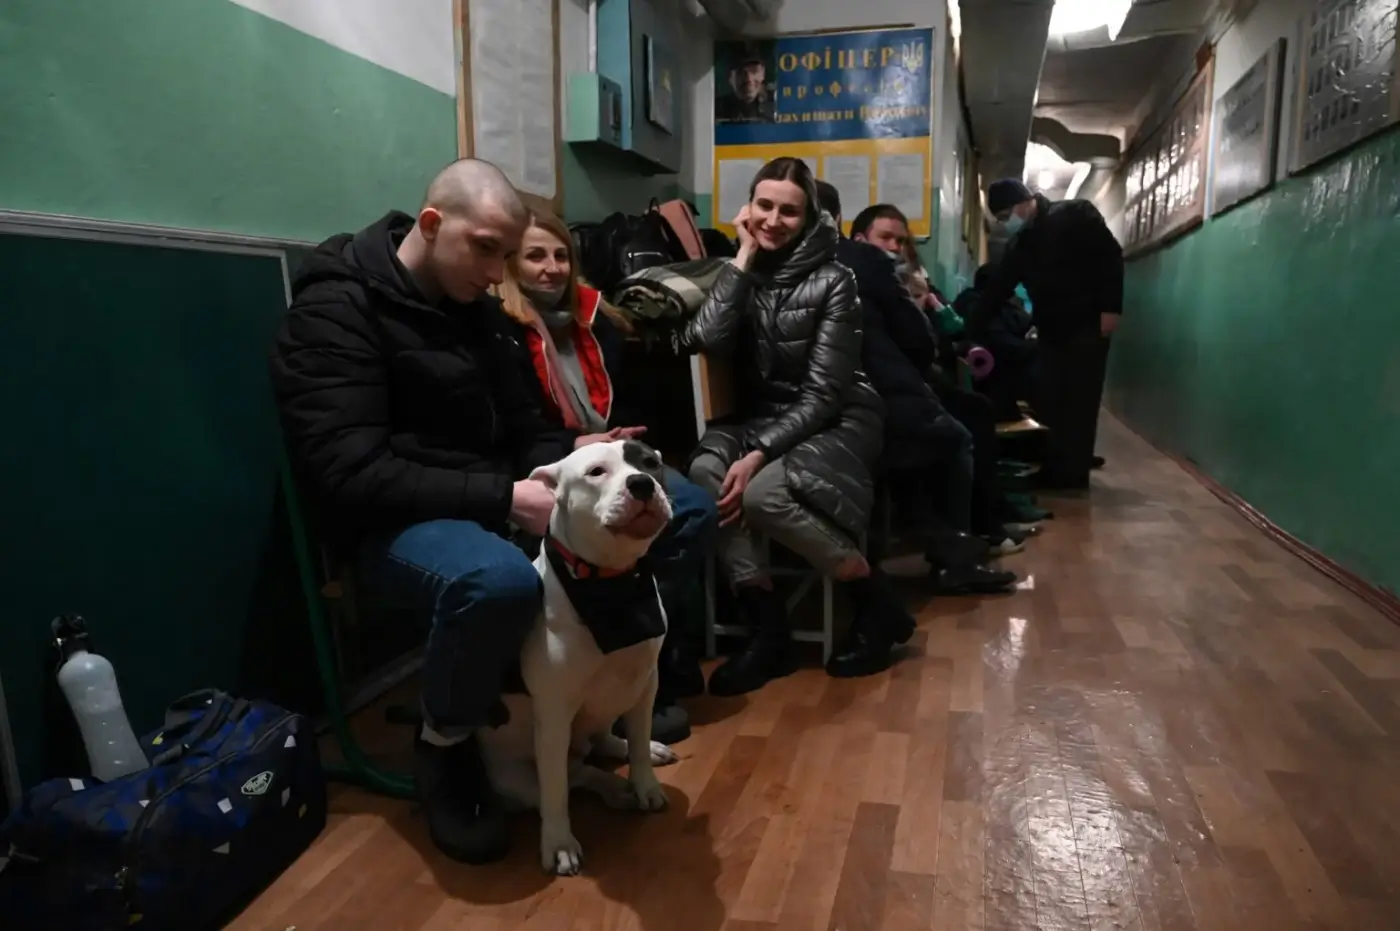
x=927, y=453
x=1072, y=268
x=569, y=343
x=409, y=426
x=795, y=463
x=1005, y=334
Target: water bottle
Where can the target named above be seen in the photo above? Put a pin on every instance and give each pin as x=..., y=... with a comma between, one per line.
x=89, y=683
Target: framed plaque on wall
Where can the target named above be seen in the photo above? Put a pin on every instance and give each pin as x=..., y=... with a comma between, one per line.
x=1347, y=76
x=1245, y=147
x=1165, y=179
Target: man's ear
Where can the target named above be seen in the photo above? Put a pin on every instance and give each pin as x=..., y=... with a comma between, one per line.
x=429, y=221
x=548, y=475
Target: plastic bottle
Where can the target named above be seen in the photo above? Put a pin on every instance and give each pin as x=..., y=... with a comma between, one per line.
x=89, y=683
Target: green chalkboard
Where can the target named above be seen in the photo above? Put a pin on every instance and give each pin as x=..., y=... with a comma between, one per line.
x=138, y=473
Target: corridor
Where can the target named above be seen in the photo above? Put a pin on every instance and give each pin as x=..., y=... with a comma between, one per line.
x=1174, y=725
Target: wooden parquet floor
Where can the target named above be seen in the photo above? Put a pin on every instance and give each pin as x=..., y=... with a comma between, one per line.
x=1174, y=726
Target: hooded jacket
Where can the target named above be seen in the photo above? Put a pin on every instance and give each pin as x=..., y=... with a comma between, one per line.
x=796, y=338
x=397, y=410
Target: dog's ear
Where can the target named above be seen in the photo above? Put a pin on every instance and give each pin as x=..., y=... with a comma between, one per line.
x=548, y=475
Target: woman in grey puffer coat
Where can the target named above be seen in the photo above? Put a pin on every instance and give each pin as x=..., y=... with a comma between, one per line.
x=795, y=463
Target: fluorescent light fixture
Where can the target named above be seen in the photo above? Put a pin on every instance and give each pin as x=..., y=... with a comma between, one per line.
x=1081, y=174
x=1045, y=180
x=1071, y=16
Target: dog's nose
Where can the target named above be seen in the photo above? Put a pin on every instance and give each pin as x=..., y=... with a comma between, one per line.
x=641, y=487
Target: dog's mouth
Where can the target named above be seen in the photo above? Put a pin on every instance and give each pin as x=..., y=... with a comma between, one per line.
x=639, y=523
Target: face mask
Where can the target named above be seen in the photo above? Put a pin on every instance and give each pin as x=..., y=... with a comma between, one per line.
x=1013, y=225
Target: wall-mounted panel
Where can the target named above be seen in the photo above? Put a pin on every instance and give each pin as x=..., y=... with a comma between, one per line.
x=1347, y=76
x=1166, y=173
x=1245, y=138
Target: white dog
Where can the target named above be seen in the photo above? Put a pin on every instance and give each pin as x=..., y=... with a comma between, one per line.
x=592, y=656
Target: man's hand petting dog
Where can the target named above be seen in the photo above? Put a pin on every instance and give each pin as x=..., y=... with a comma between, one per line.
x=531, y=503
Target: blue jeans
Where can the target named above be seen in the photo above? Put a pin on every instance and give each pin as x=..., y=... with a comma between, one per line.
x=694, y=520
x=483, y=595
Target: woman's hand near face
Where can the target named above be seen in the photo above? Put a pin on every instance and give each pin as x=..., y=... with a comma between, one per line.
x=747, y=244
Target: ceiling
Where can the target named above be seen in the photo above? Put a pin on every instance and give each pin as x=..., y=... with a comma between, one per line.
x=1084, y=91
x=1099, y=89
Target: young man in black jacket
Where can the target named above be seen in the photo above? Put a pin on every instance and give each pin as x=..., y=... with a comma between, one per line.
x=920, y=436
x=409, y=427
x=1072, y=268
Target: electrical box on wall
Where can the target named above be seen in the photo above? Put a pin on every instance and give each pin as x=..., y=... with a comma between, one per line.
x=635, y=101
x=594, y=110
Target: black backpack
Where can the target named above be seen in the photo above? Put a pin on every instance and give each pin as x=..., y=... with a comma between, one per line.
x=622, y=245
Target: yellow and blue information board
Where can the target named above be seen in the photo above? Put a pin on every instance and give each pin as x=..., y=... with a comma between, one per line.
x=856, y=106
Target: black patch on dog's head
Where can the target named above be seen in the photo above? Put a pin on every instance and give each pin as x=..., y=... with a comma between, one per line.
x=642, y=457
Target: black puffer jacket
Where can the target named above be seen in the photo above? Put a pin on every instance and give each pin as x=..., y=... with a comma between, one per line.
x=796, y=339
x=397, y=411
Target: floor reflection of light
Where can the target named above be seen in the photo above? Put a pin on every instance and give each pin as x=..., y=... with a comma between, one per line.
x=1005, y=654
x=1026, y=584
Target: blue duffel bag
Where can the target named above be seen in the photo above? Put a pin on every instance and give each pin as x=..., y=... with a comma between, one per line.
x=234, y=794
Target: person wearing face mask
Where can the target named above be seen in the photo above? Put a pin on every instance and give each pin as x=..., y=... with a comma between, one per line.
x=568, y=343
x=795, y=461
x=1072, y=268
x=927, y=452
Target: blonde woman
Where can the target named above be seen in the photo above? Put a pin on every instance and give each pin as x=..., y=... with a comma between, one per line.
x=568, y=341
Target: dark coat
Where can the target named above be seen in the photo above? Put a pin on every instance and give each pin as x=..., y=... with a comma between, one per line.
x=1072, y=268
x=796, y=339
x=397, y=411
x=899, y=349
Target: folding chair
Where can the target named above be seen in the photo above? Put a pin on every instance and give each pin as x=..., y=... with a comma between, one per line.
x=357, y=767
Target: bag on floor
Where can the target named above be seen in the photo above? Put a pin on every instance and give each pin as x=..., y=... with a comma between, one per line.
x=234, y=794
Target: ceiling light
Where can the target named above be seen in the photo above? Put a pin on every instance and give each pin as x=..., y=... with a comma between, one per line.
x=1045, y=180
x=1071, y=16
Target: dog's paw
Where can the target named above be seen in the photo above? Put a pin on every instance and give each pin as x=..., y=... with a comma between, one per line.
x=651, y=795
x=662, y=755
x=560, y=853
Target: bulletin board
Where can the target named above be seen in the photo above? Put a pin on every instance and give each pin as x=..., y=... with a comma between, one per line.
x=508, y=105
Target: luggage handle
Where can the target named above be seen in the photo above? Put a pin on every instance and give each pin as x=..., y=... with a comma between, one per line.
x=219, y=707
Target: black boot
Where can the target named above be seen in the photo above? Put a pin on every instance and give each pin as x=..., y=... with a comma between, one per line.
x=881, y=623
x=971, y=579
x=768, y=655
x=465, y=818
x=679, y=669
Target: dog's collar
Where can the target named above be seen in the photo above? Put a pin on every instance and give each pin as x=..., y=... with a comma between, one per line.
x=580, y=568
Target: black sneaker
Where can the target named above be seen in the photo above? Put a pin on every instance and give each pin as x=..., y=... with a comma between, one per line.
x=670, y=724
x=465, y=818
x=865, y=653
x=972, y=580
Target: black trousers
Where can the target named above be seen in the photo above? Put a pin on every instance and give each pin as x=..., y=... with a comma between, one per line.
x=1069, y=395
x=975, y=412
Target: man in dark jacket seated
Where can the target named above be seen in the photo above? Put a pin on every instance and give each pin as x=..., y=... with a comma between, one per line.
x=409, y=425
x=1004, y=334
x=927, y=452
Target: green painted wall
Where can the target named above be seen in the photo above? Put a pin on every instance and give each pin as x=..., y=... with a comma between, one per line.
x=1265, y=347
x=598, y=182
x=202, y=114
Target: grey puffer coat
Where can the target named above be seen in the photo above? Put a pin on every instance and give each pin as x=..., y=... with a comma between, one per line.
x=795, y=338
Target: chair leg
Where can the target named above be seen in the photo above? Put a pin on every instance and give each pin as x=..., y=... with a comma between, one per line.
x=357, y=768
x=710, y=647
x=828, y=619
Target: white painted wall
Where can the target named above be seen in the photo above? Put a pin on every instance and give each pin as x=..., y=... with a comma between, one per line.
x=410, y=37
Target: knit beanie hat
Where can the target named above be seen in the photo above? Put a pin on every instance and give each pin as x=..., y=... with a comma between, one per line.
x=1005, y=194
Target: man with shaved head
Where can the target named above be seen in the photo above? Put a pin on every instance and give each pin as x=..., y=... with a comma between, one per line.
x=411, y=432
